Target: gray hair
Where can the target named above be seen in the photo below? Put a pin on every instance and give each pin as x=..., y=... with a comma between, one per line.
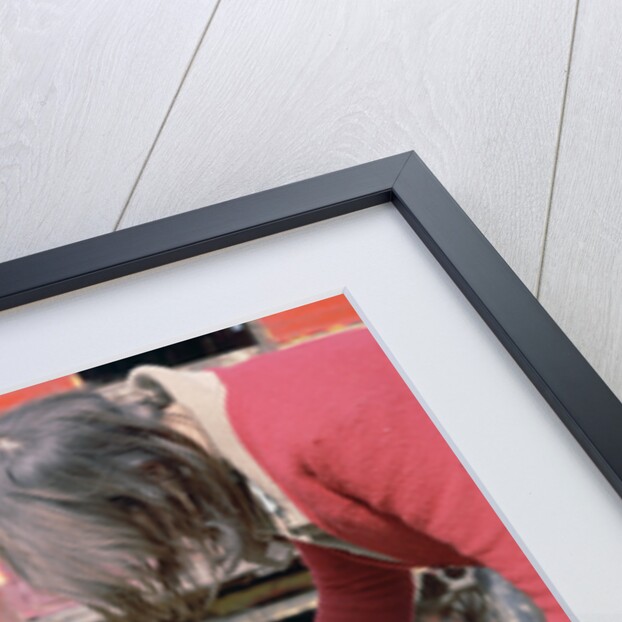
x=104, y=504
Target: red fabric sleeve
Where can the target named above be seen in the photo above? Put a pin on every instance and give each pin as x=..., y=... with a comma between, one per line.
x=425, y=489
x=351, y=589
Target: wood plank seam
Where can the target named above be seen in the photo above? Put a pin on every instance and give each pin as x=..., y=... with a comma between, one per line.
x=167, y=115
x=547, y=217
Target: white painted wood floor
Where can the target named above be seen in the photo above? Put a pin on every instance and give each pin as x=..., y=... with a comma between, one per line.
x=113, y=114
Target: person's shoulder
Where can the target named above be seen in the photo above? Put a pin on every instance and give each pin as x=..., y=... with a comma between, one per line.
x=173, y=381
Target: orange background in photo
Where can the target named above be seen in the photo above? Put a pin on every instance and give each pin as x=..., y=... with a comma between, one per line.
x=66, y=383
x=328, y=315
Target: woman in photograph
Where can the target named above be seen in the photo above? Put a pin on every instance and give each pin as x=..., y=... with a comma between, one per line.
x=319, y=448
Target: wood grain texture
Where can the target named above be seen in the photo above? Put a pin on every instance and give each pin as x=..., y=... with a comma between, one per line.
x=582, y=274
x=84, y=87
x=283, y=91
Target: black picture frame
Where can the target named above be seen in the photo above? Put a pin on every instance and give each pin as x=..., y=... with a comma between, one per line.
x=572, y=388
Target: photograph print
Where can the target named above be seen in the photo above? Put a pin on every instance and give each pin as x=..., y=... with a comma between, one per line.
x=275, y=470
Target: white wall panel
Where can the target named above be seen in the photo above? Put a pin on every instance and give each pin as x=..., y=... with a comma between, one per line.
x=582, y=275
x=84, y=88
x=285, y=90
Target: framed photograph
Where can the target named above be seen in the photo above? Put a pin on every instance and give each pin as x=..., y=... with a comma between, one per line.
x=522, y=412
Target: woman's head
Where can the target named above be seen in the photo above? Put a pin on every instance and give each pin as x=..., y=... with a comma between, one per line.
x=103, y=503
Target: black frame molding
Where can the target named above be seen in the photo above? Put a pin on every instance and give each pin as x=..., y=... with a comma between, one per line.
x=581, y=399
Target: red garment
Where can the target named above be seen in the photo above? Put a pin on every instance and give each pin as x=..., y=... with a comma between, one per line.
x=353, y=589
x=339, y=431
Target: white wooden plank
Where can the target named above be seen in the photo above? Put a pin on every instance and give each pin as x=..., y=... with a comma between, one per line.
x=84, y=87
x=582, y=275
x=282, y=91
